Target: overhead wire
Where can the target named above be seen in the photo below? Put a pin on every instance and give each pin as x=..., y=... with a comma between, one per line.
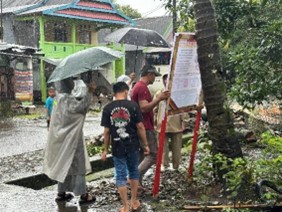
x=146, y=14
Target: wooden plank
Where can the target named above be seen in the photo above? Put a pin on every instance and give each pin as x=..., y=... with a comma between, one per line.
x=236, y=206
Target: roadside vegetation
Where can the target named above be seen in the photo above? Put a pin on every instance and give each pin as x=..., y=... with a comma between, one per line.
x=250, y=40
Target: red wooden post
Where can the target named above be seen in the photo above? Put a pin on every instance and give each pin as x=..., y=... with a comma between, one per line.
x=159, y=158
x=194, y=145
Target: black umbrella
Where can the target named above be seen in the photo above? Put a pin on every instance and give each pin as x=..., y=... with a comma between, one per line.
x=138, y=37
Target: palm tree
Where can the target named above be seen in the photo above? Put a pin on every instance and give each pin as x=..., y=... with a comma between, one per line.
x=221, y=129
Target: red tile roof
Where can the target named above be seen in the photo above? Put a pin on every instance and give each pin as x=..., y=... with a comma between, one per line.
x=90, y=14
x=97, y=5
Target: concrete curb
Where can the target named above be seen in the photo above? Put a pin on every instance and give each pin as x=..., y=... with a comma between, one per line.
x=39, y=181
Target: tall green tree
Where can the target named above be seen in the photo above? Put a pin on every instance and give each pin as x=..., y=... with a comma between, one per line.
x=221, y=129
x=252, y=56
x=185, y=15
x=128, y=10
x=251, y=46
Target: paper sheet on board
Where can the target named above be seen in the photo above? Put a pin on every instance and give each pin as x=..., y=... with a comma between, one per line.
x=185, y=73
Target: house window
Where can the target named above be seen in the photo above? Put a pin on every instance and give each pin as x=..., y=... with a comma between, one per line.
x=60, y=32
x=84, y=34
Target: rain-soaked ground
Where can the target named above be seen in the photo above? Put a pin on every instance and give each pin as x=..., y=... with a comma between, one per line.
x=19, y=136
x=21, y=155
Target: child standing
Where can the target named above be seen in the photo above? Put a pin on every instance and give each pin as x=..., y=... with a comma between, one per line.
x=122, y=122
x=49, y=104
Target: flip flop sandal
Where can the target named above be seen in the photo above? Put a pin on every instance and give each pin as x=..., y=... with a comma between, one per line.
x=84, y=199
x=63, y=197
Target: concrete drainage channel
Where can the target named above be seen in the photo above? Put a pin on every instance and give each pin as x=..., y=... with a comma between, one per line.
x=40, y=181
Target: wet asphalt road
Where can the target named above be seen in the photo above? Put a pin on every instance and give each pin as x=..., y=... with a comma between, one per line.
x=21, y=155
x=19, y=136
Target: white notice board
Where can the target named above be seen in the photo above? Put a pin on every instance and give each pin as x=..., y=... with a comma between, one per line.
x=184, y=77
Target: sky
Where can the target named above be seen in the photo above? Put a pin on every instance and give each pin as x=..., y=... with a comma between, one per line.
x=147, y=8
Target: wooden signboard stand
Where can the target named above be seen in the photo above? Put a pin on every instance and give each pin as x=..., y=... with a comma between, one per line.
x=185, y=86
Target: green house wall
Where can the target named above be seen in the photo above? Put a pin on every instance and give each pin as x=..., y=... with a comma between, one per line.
x=56, y=50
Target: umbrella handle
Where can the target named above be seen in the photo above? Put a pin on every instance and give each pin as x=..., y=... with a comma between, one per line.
x=135, y=59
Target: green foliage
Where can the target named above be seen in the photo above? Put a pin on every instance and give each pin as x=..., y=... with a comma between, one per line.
x=204, y=171
x=243, y=174
x=251, y=41
x=30, y=116
x=270, y=165
x=272, y=144
x=185, y=14
x=93, y=149
x=129, y=11
x=239, y=178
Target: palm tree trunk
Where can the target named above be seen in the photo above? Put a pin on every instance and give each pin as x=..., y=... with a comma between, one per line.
x=221, y=129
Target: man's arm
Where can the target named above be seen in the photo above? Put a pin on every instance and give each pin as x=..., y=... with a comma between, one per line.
x=149, y=106
x=106, y=143
x=142, y=135
x=132, y=77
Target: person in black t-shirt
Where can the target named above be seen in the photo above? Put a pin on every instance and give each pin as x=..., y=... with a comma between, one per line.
x=122, y=122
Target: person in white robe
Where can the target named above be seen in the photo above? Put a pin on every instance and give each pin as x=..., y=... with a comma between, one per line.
x=66, y=160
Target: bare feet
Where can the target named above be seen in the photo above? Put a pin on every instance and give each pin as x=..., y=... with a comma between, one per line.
x=135, y=205
x=124, y=209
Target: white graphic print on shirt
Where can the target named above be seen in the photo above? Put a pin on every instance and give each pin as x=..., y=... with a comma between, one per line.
x=120, y=117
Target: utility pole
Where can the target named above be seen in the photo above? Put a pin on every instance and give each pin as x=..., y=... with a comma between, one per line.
x=174, y=17
x=1, y=27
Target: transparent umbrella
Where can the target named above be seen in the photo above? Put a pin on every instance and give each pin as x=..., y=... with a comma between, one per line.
x=84, y=61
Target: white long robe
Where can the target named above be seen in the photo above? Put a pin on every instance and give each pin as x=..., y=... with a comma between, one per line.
x=65, y=134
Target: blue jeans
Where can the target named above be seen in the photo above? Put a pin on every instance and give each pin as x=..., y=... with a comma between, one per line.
x=129, y=162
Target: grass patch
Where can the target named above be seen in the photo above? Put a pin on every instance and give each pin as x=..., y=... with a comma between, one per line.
x=29, y=116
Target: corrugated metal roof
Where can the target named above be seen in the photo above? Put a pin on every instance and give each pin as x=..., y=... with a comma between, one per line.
x=10, y=6
x=17, y=3
x=14, y=9
x=57, y=2
x=52, y=61
x=94, y=15
x=41, y=9
x=8, y=47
